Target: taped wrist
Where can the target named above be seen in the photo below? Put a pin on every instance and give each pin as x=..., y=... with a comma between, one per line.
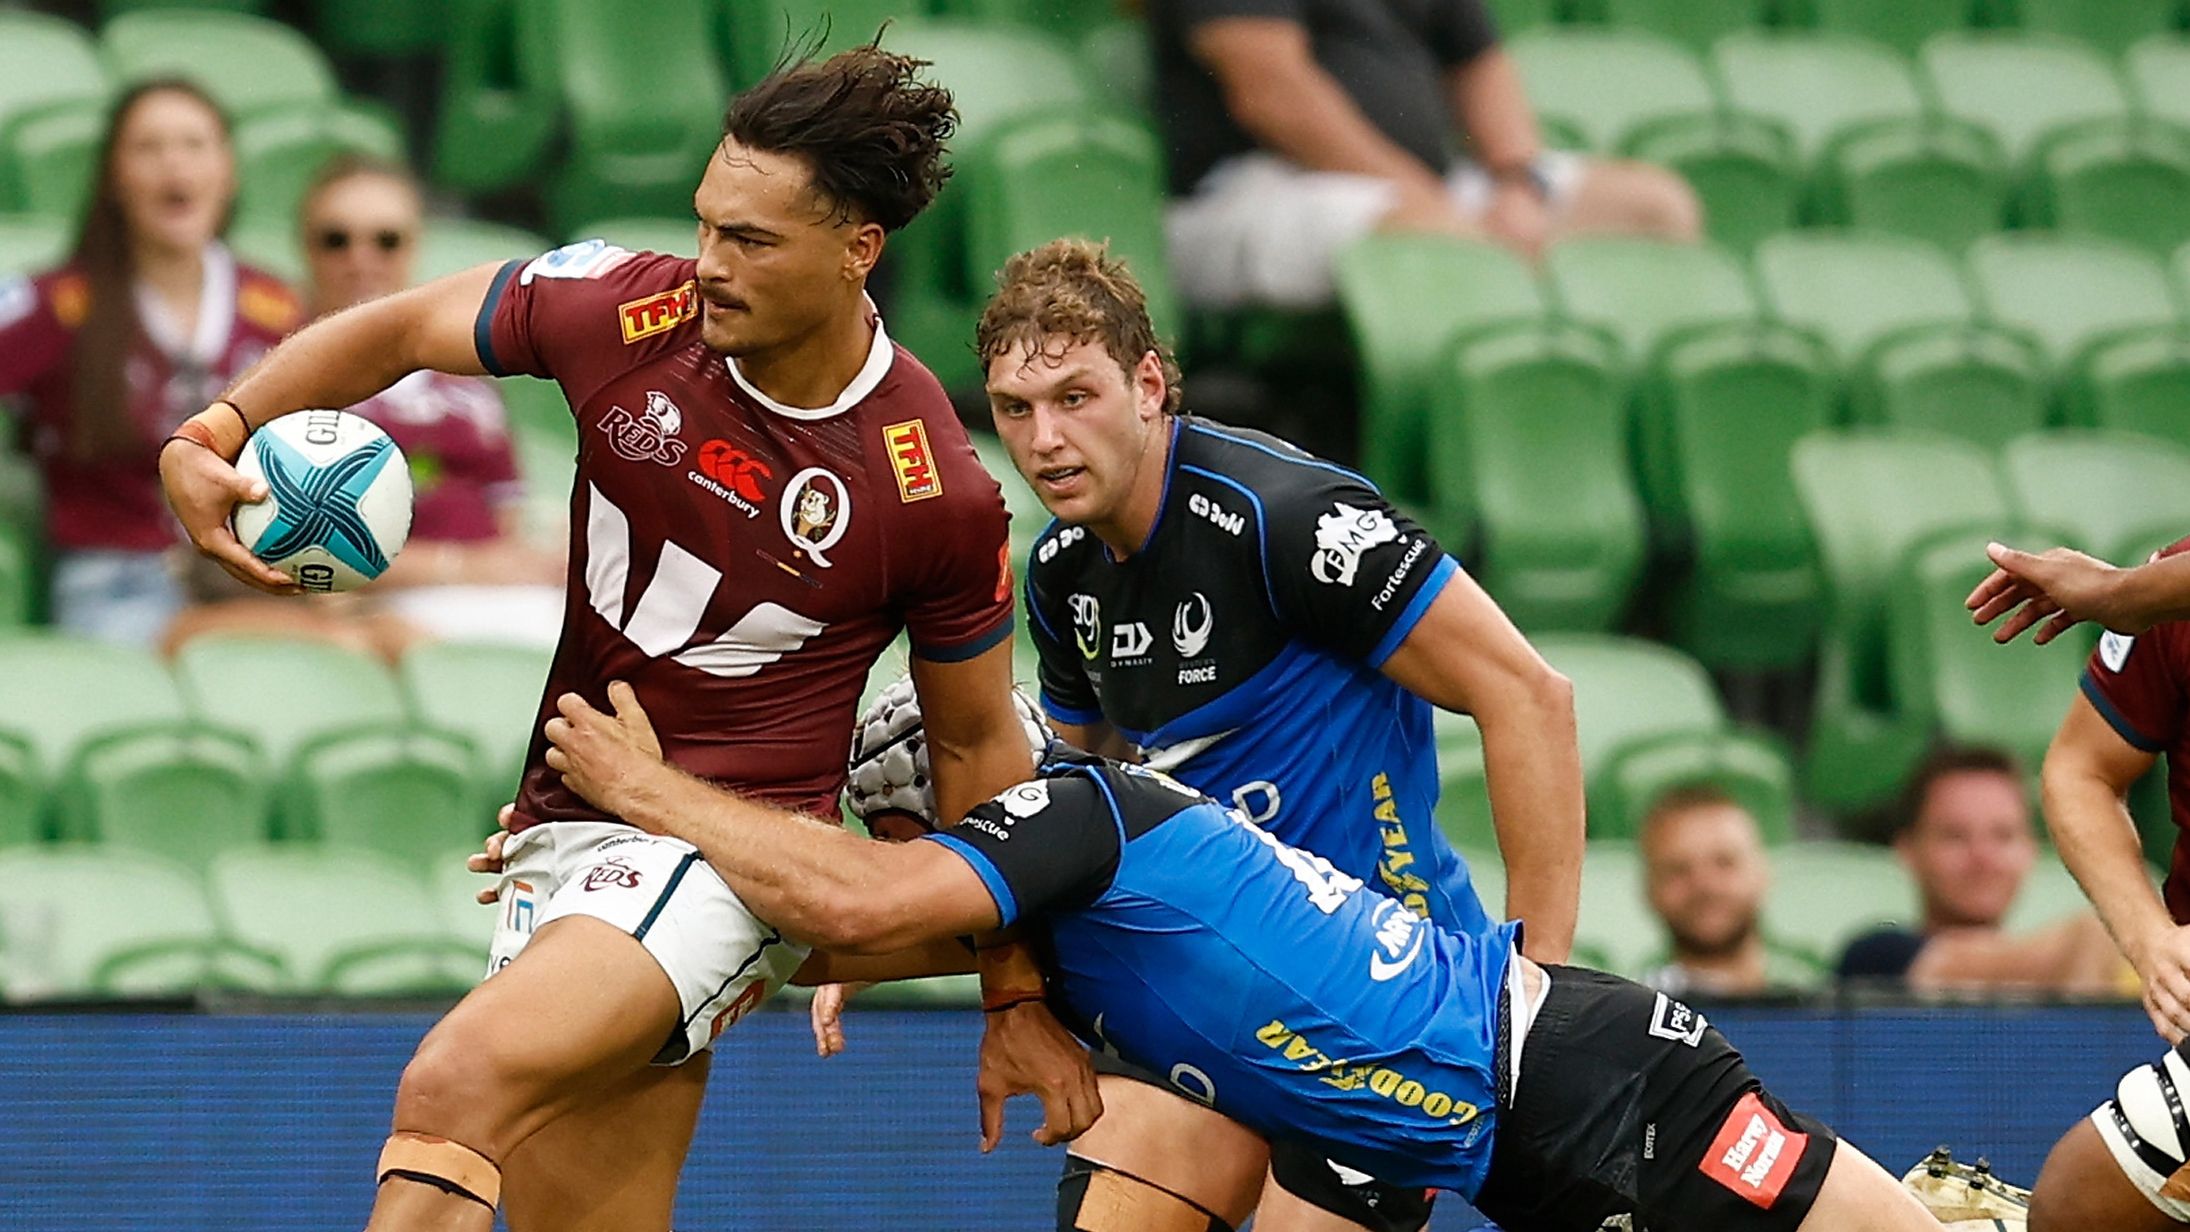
x=220, y=427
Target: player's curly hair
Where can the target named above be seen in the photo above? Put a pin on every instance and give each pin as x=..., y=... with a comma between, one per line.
x=869, y=130
x=1068, y=292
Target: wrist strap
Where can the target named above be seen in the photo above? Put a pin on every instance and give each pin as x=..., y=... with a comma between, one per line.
x=222, y=432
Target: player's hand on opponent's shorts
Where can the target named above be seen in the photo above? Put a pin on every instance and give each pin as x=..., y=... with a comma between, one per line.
x=204, y=489
x=1025, y=1049
x=488, y=859
x=603, y=756
x=827, y=1013
x=2164, y=969
x=2060, y=587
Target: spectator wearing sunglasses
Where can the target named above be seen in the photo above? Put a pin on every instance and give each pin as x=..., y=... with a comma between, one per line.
x=148, y=319
x=471, y=571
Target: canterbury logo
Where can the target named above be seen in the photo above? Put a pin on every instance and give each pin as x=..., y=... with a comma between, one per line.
x=668, y=613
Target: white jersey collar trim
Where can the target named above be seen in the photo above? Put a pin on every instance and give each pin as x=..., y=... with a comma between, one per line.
x=880, y=355
x=216, y=313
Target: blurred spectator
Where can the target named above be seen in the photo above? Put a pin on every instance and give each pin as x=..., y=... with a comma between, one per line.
x=1966, y=837
x=1705, y=873
x=145, y=323
x=469, y=571
x=1296, y=126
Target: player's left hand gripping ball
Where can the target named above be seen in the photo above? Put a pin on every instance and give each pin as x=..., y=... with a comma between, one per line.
x=338, y=500
x=604, y=757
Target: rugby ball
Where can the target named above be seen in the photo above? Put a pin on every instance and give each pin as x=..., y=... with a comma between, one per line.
x=889, y=760
x=338, y=499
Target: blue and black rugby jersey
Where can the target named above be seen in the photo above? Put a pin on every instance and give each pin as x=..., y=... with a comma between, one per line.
x=1239, y=650
x=1255, y=977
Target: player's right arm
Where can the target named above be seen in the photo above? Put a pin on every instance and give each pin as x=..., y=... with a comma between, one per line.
x=2058, y=588
x=339, y=360
x=2088, y=772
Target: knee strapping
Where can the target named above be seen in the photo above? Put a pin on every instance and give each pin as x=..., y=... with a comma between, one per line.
x=445, y=1165
x=1093, y=1197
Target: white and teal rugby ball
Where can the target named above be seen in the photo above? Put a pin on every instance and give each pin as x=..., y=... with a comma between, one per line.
x=338, y=499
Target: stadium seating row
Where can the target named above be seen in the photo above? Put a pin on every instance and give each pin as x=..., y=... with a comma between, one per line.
x=1903, y=23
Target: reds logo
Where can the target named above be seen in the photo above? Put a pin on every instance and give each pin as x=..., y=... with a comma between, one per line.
x=916, y=475
x=650, y=436
x=657, y=314
x=611, y=874
x=735, y=469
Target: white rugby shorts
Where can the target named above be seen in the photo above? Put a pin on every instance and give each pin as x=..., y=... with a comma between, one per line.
x=2145, y=1129
x=721, y=958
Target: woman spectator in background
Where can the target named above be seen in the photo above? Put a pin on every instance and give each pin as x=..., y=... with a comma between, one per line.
x=469, y=571
x=147, y=321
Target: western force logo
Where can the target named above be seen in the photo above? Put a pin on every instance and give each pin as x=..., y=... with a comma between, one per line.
x=1191, y=624
x=657, y=314
x=650, y=436
x=732, y=474
x=1087, y=625
x=1343, y=536
x=917, y=478
x=816, y=510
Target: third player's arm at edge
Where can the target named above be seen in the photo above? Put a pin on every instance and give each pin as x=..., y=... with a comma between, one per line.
x=2089, y=768
x=1464, y=655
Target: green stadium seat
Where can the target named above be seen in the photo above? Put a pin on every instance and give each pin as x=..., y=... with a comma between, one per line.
x=2068, y=291
x=279, y=152
x=2158, y=72
x=1615, y=923
x=754, y=35
x=1743, y=168
x=405, y=793
x=1463, y=799
x=1627, y=692
x=1721, y=410
x=2100, y=489
x=1066, y=17
x=2136, y=382
x=32, y=243
x=1978, y=383
x=454, y=890
x=1605, y=84
x=676, y=236
x=2107, y=26
x=951, y=992
x=46, y=60
x=340, y=921
x=1870, y=498
x=19, y=577
x=1814, y=85
x=247, y=63
x=49, y=156
x=1854, y=288
x=490, y=695
x=1118, y=55
x=453, y=244
x=1949, y=676
x=1487, y=869
x=1752, y=768
x=1643, y=290
x=1902, y=24
x=2021, y=86
x=2049, y=895
x=113, y=7
x=500, y=101
x=1696, y=23
x=1937, y=179
x=1561, y=545
x=284, y=693
x=22, y=793
x=1028, y=516
x=182, y=795
x=271, y=244
x=85, y=690
x=1825, y=894
x=634, y=146
x=84, y=920
x=380, y=27
x=2124, y=179
x=1405, y=298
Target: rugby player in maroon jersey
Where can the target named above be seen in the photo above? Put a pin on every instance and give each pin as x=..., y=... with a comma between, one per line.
x=768, y=490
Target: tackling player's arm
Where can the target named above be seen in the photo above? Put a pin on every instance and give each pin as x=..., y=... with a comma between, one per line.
x=337, y=361
x=2061, y=587
x=2088, y=772
x=1464, y=655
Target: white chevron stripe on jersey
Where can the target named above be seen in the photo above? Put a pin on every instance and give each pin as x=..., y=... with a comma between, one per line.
x=762, y=636
x=674, y=601
x=1169, y=758
x=608, y=555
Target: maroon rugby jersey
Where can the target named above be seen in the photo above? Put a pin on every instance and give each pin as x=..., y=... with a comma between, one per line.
x=2141, y=686
x=741, y=563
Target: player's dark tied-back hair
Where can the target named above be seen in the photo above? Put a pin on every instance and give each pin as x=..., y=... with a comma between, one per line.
x=870, y=131
x=1073, y=289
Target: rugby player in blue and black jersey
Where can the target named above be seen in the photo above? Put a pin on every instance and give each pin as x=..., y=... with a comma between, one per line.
x=1264, y=626
x=1264, y=982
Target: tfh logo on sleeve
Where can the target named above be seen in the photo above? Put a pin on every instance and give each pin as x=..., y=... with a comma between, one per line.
x=917, y=478
x=657, y=314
